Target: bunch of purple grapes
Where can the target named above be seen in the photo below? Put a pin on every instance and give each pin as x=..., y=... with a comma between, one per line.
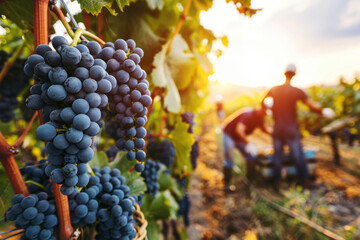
x=162, y=151
x=188, y=117
x=116, y=205
x=151, y=176
x=71, y=89
x=129, y=100
x=36, y=214
x=106, y=201
x=35, y=177
x=13, y=83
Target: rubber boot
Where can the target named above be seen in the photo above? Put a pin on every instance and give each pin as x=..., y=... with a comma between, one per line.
x=227, y=177
x=250, y=170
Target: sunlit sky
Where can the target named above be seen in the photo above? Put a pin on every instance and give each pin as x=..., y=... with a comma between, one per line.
x=321, y=37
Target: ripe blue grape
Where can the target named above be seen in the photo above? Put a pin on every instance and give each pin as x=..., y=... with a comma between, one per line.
x=46, y=132
x=80, y=106
x=57, y=41
x=52, y=58
x=90, y=85
x=72, y=85
x=70, y=56
x=97, y=72
x=56, y=93
x=100, y=62
x=94, y=47
x=87, y=60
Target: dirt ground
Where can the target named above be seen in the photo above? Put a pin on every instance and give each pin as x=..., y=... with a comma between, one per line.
x=241, y=214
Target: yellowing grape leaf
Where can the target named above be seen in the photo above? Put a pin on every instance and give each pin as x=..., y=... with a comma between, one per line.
x=155, y=4
x=122, y=3
x=183, y=142
x=174, y=71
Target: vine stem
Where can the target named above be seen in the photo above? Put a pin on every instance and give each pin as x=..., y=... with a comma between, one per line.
x=156, y=135
x=93, y=36
x=21, y=138
x=62, y=18
x=41, y=34
x=7, y=159
x=76, y=37
x=35, y=183
x=11, y=169
x=10, y=62
x=178, y=26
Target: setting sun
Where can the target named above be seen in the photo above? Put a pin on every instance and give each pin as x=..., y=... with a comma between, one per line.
x=260, y=47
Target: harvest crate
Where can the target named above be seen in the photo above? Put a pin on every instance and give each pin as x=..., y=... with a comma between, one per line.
x=265, y=164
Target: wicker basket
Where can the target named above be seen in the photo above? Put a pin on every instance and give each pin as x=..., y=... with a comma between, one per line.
x=141, y=224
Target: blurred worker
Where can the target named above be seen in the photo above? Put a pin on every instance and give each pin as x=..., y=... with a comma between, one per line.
x=236, y=129
x=219, y=108
x=286, y=128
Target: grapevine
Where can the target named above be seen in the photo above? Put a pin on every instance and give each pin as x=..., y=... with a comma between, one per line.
x=92, y=106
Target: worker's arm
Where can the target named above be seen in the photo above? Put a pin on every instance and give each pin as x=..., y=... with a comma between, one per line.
x=263, y=104
x=265, y=129
x=240, y=132
x=313, y=107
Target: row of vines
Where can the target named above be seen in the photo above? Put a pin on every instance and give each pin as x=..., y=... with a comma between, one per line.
x=93, y=143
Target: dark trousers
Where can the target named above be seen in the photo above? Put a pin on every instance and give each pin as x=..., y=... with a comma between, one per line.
x=294, y=142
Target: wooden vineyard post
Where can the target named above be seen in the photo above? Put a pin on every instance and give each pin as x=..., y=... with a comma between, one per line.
x=101, y=26
x=12, y=171
x=41, y=36
x=87, y=19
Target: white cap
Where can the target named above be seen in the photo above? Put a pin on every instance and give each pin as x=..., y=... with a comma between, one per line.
x=290, y=68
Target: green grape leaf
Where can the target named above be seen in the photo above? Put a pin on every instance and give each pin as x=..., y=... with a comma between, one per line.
x=135, y=182
x=122, y=3
x=183, y=142
x=357, y=96
x=164, y=182
x=21, y=13
x=120, y=162
x=163, y=206
x=173, y=71
x=110, y=9
x=93, y=6
x=203, y=5
x=99, y=160
x=133, y=179
x=177, y=189
x=155, y=4
x=147, y=199
x=153, y=230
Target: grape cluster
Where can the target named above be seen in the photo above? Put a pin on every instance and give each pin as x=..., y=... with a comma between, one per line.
x=34, y=213
x=111, y=152
x=194, y=153
x=188, y=117
x=36, y=174
x=129, y=100
x=162, y=151
x=83, y=206
x=184, y=208
x=184, y=203
x=116, y=205
x=13, y=83
x=151, y=176
x=71, y=90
